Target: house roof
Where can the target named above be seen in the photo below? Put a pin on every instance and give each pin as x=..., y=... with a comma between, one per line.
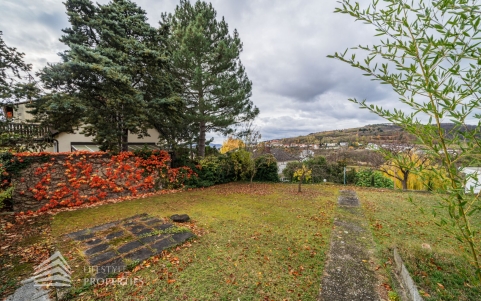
x=283, y=156
x=279, y=154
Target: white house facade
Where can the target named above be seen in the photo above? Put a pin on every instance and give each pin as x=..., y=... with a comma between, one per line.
x=66, y=142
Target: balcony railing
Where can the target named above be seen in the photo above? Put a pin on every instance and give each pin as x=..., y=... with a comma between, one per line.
x=25, y=129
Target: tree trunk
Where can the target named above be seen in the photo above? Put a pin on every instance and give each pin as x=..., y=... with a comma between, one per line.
x=202, y=139
x=405, y=180
x=125, y=140
x=300, y=182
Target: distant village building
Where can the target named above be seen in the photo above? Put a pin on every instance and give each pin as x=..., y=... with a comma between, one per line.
x=372, y=146
x=473, y=175
x=306, y=154
x=282, y=157
x=331, y=146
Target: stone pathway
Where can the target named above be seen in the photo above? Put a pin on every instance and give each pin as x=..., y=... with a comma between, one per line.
x=348, y=274
x=113, y=246
x=110, y=247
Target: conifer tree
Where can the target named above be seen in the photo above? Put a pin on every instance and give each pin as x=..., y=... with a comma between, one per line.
x=206, y=62
x=11, y=68
x=114, y=78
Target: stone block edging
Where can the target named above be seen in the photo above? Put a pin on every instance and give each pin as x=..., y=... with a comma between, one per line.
x=407, y=282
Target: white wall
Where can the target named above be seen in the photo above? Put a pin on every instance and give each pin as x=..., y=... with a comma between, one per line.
x=65, y=139
x=20, y=113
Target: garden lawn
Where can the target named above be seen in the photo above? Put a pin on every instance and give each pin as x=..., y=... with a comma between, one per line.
x=264, y=242
x=438, y=263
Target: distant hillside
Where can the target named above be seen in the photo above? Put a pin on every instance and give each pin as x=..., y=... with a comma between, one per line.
x=373, y=133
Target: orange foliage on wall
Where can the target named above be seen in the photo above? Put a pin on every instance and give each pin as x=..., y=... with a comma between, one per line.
x=73, y=179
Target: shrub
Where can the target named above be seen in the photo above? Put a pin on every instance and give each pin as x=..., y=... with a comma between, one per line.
x=373, y=178
x=290, y=170
x=266, y=169
x=213, y=170
x=242, y=163
x=320, y=170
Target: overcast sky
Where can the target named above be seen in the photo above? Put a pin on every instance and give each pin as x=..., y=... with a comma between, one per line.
x=296, y=87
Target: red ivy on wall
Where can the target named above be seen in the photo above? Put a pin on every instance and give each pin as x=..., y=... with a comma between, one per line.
x=73, y=179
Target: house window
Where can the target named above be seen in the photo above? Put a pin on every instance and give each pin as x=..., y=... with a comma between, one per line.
x=9, y=112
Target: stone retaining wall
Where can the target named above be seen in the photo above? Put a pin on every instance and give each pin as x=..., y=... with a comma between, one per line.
x=72, y=179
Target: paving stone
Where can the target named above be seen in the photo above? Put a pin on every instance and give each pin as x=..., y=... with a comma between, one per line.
x=115, y=235
x=94, y=241
x=97, y=249
x=180, y=218
x=153, y=221
x=129, y=246
x=348, y=198
x=75, y=235
x=102, y=258
x=136, y=229
x=140, y=255
x=112, y=267
x=130, y=224
x=163, y=226
x=149, y=239
x=84, y=237
x=129, y=219
x=181, y=237
x=163, y=244
x=143, y=232
x=103, y=227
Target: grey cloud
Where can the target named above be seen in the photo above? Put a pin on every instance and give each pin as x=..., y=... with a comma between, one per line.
x=54, y=20
x=297, y=88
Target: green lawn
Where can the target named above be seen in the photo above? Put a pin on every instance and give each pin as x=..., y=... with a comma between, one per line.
x=443, y=271
x=262, y=243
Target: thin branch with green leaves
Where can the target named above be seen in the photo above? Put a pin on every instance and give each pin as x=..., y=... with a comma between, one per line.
x=430, y=54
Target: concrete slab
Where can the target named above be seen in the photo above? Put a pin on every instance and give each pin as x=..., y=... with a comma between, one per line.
x=97, y=249
x=348, y=274
x=129, y=246
x=29, y=292
x=140, y=255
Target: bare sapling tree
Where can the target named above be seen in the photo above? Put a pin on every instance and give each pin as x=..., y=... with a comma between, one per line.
x=401, y=161
x=430, y=55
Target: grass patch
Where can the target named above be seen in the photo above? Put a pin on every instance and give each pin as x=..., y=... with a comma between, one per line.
x=171, y=230
x=121, y=240
x=437, y=262
x=264, y=242
x=24, y=244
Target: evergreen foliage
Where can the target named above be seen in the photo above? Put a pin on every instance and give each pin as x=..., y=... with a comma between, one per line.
x=11, y=68
x=206, y=62
x=266, y=169
x=114, y=78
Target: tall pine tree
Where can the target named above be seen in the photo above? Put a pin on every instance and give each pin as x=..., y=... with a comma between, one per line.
x=114, y=78
x=12, y=67
x=215, y=86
